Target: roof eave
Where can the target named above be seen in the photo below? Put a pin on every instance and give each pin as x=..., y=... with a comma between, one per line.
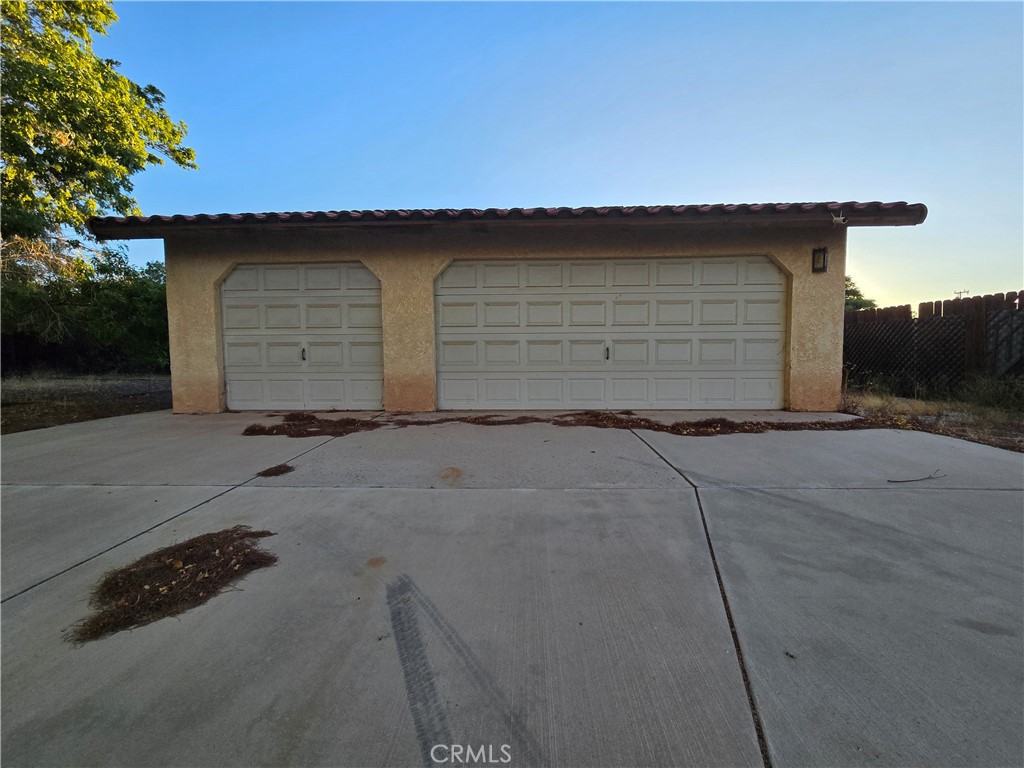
x=106, y=229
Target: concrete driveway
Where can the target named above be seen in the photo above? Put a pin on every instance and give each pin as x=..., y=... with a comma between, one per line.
x=561, y=596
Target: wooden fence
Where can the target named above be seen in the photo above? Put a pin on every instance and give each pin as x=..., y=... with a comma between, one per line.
x=947, y=341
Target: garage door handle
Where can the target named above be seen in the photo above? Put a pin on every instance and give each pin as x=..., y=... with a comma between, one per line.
x=606, y=353
x=303, y=354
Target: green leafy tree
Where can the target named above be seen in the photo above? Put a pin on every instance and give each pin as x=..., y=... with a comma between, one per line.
x=855, y=299
x=74, y=129
x=74, y=132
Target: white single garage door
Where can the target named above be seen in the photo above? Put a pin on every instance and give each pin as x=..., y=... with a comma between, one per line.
x=656, y=333
x=303, y=336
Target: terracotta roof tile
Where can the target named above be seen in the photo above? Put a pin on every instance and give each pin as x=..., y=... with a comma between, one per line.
x=857, y=214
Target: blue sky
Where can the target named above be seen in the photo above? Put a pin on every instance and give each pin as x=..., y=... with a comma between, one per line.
x=321, y=106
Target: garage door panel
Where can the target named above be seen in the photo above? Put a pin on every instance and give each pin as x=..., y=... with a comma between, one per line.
x=675, y=275
x=716, y=351
x=302, y=336
x=506, y=313
x=631, y=274
x=323, y=278
x=672, y=392
x=364, y=315
x=366, y=354
x=673, y=312
x=665, y=332
x=328, y=316
x=241, y=316
x=652, y=275
x=762, y=273
x=631, y=312
x=629, y=352
x=282, y=316
x=458, y=314
x=718, y=312
x=762, y=352
x=543, y=392
x=242, y=394
x=544, y=352
x=504, y=353
x=767, y=311
x=588, y=275
x=288, y=390
x=630, y=391
x=590, y=390
x=242, y=354
x=586, y=351
x=286, y=353
x=281, y=279
x=330, y=391
x=587, y=313
x=321, y=353
x=504, y=391
x=499, y=275
x=716, y=391
x=458, y=276
x=544, y=313
x=457, y=353
x=242, y=279
x=366, y=394
x=540, y=276
x=459, y=390
x=719, y=272
x=358, y=279
x=497, y=314
x=673, y=352
x=760, y=390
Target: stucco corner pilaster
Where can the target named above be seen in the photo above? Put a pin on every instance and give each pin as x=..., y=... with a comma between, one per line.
x=194, y=330
x=407, y=326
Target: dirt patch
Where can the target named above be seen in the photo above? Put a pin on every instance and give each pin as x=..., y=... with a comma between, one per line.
x=376, y=562
x=36, y=403
x=988, y=425
x=276, y=470
x=451, y=475
x=309, y=425
x=170, y=581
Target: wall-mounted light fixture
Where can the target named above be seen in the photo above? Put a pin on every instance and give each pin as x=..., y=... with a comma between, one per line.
x=819, y=260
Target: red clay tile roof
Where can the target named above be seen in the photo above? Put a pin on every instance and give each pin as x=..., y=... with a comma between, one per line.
x=810, y=214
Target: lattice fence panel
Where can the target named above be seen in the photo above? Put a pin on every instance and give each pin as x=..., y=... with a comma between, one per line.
x=1004, y=343
x=930, y=352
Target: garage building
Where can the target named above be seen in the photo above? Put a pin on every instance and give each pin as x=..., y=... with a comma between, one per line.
x=667, y=307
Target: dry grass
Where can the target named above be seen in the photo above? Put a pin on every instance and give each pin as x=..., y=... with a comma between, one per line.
x=999, y=427
x=36, y=402
x=170, y=581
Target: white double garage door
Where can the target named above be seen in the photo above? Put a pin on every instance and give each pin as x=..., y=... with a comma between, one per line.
x=654, y=333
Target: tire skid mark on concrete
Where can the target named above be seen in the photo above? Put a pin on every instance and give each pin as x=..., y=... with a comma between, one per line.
x=401, y=594
x=428, y=715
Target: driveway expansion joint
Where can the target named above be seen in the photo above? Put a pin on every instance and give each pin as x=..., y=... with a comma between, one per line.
x=115, y=546
x=762, y=741
x=153, y=527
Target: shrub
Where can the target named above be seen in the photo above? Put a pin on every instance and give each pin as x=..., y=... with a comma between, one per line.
x=70, y=314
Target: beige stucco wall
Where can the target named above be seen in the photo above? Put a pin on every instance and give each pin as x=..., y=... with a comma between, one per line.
x=408, y=259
